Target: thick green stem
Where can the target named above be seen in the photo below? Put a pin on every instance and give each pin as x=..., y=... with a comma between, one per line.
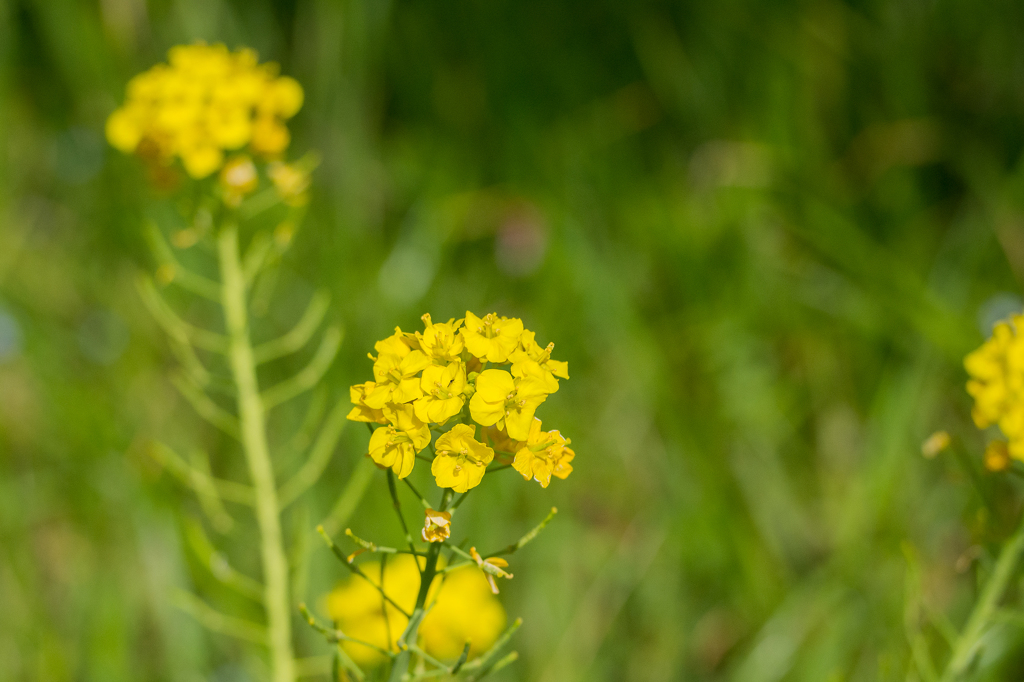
x=981, y=617
x=257, y=453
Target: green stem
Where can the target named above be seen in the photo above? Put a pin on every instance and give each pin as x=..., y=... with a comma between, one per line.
x=970, y=639
x=257, y=454
x=400, y=666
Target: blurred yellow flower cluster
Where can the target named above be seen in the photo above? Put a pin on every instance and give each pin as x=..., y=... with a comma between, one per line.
x=442, y=375
x=204, y=102
x=463, y=610
x=997, y=383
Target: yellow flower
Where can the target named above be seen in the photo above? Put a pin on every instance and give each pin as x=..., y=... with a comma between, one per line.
x=396, y=379
x=491, y=338
x=396, y=444
x=528, y=369
x=462, y=610
x=543, y=455
x=441, y=341
x=506, y=401
x=529, y=349
x=203, y=102
x=399, y=343
x=362, y=412
x=997, y=383
x=442, y=392
x=238, y=177
x=437, y=526
x=935, y=443
x=492, y=567
x=461, y=460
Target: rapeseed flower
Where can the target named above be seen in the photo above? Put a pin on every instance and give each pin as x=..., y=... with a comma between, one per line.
x=437, y=526
x=442, y=389
x=997, y=383
x=545, y=454
x=423, y=381
x=492, y=338
x=203, y=102
x=460, y=459
x=396, y=444
x=506, y=401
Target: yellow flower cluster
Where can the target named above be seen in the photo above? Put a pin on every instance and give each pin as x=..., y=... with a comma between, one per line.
x=997, y=383
x=443, y=375
x=203, y=102
x=463, y=610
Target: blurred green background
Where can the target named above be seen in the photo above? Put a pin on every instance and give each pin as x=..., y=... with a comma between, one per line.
x=763, y=234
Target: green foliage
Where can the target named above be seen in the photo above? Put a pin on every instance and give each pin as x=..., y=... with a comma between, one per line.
x=763, y=234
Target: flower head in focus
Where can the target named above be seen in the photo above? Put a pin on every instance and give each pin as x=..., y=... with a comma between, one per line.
x=545, y=454
x=363, y=412
x=442, y=392
x=441, y=341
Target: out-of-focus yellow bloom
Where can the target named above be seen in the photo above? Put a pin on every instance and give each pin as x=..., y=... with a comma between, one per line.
x=363, y=412
x=505, y=448
x=442, y=393
x=291, y=183
x=441, y=341
x=463, y=610
x=396, y=444
x=437, y=526
x=461, y=459
x=493, y=567
x=545, y=454
x=238, y=178
x=506, y=401
x=934, y=444
x=396, y=379
x=491, y=338
x=203, y=102
x=997, y=383
x=997, y=456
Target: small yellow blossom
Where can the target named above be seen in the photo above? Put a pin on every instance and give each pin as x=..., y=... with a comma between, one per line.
x=997, y=456
x=934, y=444
x=491, y=338
x=396, y=379
x=506, y=401
x=399, y=343
x=441, y=341
x=442, y=393
x=545, y=454
x=396, y=444
x=461, y=460
x=462, y=609
x=529, y=349
x=362, y=412
x=437, y=526
x=492, y=567
x=238, y=178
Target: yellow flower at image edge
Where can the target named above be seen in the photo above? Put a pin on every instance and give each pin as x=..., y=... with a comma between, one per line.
x=461, y=460
x=997, y=383
x=396, y=444
x=463, y=609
